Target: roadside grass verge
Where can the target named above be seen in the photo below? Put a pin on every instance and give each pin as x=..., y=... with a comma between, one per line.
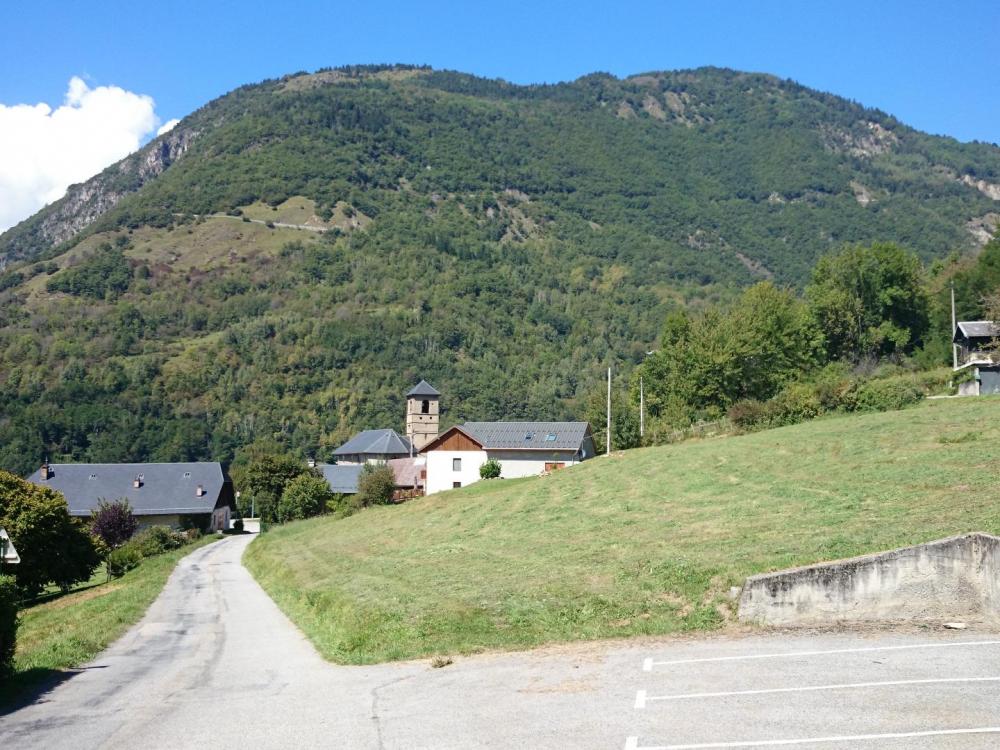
x=644, y=542
x=66, y=631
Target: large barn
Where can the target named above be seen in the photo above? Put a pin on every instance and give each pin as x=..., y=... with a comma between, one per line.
x=177, y=495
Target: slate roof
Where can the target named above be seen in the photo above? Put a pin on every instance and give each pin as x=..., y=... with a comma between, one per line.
x=423, y=388
x=553, y=436
x=342, y=478
x=375, y=443
x=166, y=488
x=978, y=329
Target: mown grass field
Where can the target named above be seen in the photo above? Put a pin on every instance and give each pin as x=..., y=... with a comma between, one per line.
x=69, y=630
x=644, y=542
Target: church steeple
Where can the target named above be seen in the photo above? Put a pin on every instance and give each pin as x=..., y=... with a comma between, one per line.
x=422, y=412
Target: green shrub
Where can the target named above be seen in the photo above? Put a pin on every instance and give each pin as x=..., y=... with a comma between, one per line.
x=192, y=535
x=154, y=540
x=796, y=403
x=120, y=561
x=238, y=525
x=54, y=547
x=9, y=597
x=375, y=485
x=341, y=505
x=305, y=496
x=883, y=395
x=749, y=414
x=490, y=469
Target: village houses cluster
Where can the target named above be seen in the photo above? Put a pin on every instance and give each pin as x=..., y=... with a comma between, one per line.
x=423, y=461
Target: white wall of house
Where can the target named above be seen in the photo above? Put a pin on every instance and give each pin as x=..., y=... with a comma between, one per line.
x=441, y=469
x=523, y=463
x=441, y=473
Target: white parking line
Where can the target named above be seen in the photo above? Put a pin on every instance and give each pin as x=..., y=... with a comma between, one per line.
x=632, y=743
x=649, y=663
x=642, y=698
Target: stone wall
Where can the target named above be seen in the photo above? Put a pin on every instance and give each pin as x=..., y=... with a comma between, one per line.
x=949, y=579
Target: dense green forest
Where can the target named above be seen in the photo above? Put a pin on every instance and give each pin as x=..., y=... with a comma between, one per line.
x=505, y=242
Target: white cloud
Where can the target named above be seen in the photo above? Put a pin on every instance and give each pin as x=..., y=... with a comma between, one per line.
x=167, y=126
x=44, y=150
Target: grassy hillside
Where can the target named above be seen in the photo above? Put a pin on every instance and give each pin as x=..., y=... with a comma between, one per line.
x=643, y=542
x=505, y=242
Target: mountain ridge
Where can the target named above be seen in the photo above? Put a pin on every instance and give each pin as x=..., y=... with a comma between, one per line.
x=287, y=261
x=85, y=203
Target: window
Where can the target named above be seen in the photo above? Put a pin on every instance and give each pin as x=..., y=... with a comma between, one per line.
x=550, y=438
x=456, y=485
x=456, y=464
x=527, y=436
x=425, y=407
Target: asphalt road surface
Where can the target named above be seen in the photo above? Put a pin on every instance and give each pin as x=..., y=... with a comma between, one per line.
x=214, y=663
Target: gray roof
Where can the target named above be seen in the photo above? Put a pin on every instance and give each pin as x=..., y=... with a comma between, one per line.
x=553, y=436
x=978, y=329
x=342, y=478
x=423, y=388
x=166, y=488
x=375, y=443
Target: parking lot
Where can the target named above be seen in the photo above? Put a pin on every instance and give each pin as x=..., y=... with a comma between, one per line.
x=214, y=639
x=820, y=691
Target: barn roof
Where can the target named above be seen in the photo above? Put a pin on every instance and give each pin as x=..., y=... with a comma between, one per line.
x=375, y=442
x=555, y=436
x=423, y=388
x=407, y=471
x=165, y=489
x=342, y=478
x=974, y=329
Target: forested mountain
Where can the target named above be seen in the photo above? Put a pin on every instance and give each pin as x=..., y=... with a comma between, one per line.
x=291, y=257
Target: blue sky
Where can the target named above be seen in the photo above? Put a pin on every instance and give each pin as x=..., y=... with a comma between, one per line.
x=932, y=64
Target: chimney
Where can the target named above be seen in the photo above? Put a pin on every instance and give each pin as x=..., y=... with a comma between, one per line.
x=137, y=482
x=311, y=463
x=44, y=471
x=200, y=491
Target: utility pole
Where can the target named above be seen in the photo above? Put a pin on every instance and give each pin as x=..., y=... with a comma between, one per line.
x=954, y=346
x=608, y=449
x=642, y=410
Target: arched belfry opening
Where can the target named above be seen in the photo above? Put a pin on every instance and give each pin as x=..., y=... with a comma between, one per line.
x=422, y=414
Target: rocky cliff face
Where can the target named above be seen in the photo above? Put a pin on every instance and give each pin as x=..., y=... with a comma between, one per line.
x=84, y=203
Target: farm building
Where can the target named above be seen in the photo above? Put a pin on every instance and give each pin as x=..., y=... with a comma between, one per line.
x=177, y=495
x=522, y=448
x=409, y=474
x=978, y=372
x=372, y=446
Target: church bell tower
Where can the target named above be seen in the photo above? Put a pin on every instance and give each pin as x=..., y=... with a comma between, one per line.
x=422, y=412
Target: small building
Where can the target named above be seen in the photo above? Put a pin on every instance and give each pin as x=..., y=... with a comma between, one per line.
x=342, y=478
x=373, y=446
x=522, y=448
x=978, y=371
x=410, y=475
x=976, y=339
x=181, y=495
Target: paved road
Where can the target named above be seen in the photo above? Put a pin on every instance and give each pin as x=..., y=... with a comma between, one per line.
x=214, y=663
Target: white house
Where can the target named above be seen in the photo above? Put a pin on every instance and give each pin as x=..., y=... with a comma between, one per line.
x=522, y=448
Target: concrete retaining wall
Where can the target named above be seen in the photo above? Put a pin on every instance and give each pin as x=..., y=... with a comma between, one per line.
x=955, y=578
